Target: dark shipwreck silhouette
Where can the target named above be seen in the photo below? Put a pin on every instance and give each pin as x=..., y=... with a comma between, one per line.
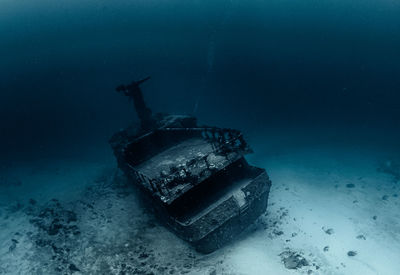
x=195, y=178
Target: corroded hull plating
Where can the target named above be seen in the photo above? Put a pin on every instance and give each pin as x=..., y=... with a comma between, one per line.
x=196, y=179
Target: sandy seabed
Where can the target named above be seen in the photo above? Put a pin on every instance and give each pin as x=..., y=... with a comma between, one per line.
x=332, y=210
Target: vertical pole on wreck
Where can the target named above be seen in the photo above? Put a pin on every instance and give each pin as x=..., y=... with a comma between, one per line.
x=134, y=92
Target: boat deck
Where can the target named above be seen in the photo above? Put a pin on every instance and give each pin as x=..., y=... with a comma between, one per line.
x=195, y=155
x=175, y=156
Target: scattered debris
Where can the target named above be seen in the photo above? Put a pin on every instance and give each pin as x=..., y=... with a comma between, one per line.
x=351, y=253
x=278, y=232
x=73, y=268
x=361, y=237
x=13, y=245
x=32, y=202
x=328, y=231
x=57, y=232
x=76, y=238
x=293, y=260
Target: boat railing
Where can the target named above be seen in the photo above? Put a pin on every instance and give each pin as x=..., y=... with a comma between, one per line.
x=223, y=140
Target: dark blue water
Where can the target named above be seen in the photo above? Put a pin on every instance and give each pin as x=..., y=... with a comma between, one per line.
x=253, y=65
x=313, y=84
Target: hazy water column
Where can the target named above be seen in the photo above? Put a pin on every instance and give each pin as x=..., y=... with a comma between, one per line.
x=212, y=46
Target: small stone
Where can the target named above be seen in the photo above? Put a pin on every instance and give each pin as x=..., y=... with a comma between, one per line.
x=350, y=185
x=12, y=247
x=326, y=248
x=328, y=231
x=143, y=255
x=32, y=201
x=54, y=228
x=375, y=217
x=361, y=237
x=71, y=216
x=351, y=253
x=293, y=260
x=73, y=268
x=385, y=197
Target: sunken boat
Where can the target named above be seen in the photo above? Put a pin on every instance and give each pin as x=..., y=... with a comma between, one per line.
x=195, y=178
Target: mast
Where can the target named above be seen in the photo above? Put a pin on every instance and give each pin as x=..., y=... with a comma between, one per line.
x=134, y=92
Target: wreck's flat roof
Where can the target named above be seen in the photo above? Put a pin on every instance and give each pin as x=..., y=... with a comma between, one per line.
x=181, y=154
x=176, y=155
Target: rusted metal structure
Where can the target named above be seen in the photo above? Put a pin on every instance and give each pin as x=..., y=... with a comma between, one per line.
x=196, y=179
